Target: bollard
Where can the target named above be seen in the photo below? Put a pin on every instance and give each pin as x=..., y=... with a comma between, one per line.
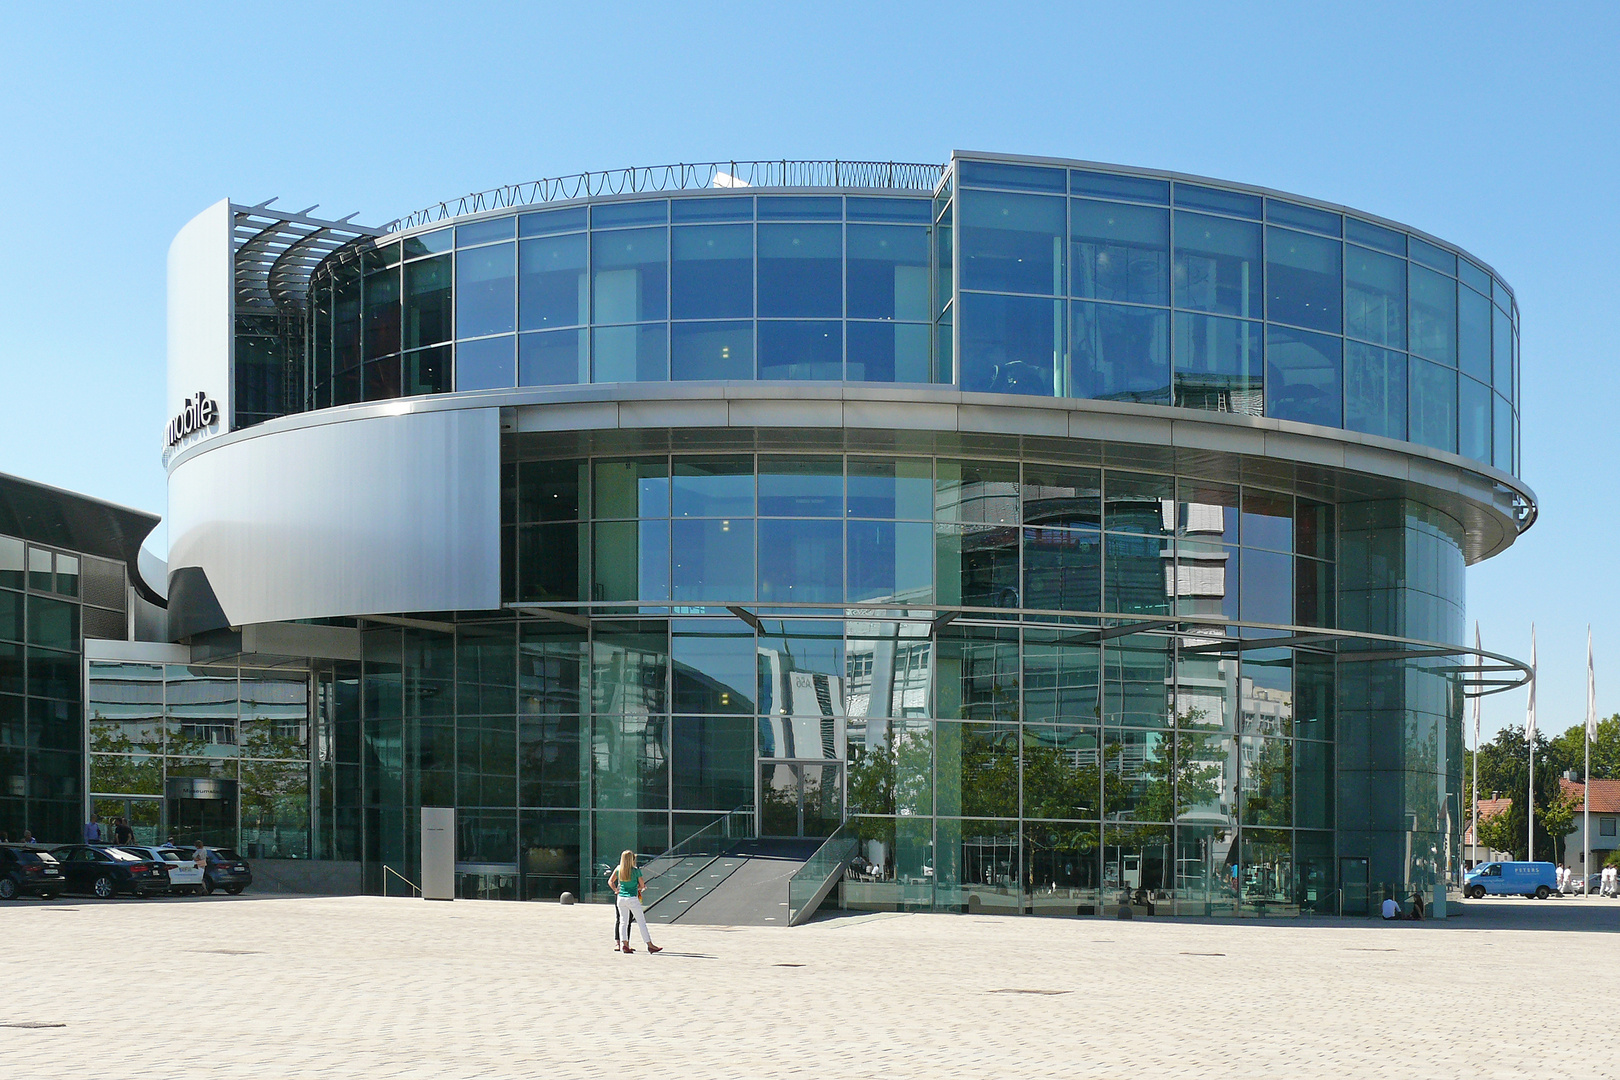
x=566, y=898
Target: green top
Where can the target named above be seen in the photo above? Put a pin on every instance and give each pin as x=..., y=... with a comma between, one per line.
x=632, y=885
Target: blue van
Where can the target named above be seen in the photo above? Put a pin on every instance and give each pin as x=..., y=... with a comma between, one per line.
x=1537, y=879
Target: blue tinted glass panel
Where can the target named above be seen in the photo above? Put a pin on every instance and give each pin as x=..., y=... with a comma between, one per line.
x=1063, y=569
x=1119, y=353
x=711, y=272
x=552, y=287
x=1303, y=377
x=713, y=208
x=1009, y=344
x=1502, y=353
x=1218, y=364
x=486, y=292
x=1218, y=201
x=1375, y=390
x=1113, y=186
x=1302, y=217
x=800, y=208
x=630, y=213
x=1501, y=295
x=896, y=210
x=900, y=488
x=801, y=271
x=484, y=232
x=886, y=352
x=1375, y=297
x=553, y=358
x=1133, y=581
x=546, y=222
x=380, y=314
x=630, y=275
x=1365, y=232
x=1473, y=275
x=1217, y=265
x=1429, y=255
x=1119, y=252
x=713, y=487
x=1474, y=334
x=801, y=350
x=891, y=559
x=711, y=350
x=630, y=353
x=1433, y=405
x=1267, y=585
x=1433, y=315
x=1503, y=447
x=801, y=487
x=801, y=561
x=712, y=561
x=427, y=371
x=486, y=364
x=428, y=243
x=887, y=275
x=1012, y=177
x=1303, y=286
x=1011, y=243
x=1473, y=419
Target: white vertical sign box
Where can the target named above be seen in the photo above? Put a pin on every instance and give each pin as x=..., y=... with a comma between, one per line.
x=438, y=853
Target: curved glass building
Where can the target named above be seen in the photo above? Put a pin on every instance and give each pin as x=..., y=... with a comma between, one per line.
x=1050, y=535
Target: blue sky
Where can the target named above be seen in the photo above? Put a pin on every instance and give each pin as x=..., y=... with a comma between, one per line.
x=1493, y=125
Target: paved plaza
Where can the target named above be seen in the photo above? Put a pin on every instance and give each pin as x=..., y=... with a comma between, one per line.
x=370, y=987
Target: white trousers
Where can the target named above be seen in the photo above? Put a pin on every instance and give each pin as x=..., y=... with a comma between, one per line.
x=628, y=906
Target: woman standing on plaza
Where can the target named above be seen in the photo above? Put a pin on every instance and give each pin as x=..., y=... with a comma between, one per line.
x=627, y=880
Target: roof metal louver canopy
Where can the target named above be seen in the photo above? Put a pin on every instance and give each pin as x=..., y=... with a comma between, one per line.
x=275, y=251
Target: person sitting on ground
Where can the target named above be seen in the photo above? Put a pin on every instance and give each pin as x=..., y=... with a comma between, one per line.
x=1417, y=907
x=1391, y=910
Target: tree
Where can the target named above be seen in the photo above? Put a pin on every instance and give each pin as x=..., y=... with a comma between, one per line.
x=1568, y=751
x=1556, y=817
x=1504, y=770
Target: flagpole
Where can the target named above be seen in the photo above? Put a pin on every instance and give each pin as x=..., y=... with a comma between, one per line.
x=1586, y=775
x=1530, y=737
x=1475, y=785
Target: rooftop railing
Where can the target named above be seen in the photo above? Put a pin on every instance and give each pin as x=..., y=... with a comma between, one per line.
x=877, y=175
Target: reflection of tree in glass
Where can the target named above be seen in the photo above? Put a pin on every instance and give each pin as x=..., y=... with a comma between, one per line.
x=1268, y=801
x=1188, y=776
x=871, y=779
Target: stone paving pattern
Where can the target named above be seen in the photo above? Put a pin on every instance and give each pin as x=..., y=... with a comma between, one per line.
x=371, y=987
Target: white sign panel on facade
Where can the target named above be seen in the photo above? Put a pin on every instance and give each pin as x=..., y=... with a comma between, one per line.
x=201, y=296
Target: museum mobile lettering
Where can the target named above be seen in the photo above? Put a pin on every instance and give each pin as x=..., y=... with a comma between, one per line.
x=200, y=412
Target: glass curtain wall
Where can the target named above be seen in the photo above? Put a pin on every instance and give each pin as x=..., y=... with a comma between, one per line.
x=41, y=698
x=1019, y=279
x=1076, y=283
x=816, y=287
x=214, y=753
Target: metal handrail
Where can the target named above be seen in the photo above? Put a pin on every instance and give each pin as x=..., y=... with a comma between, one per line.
x=701, y=845
x=877, y=175
x=390, y=870
x=811, y=880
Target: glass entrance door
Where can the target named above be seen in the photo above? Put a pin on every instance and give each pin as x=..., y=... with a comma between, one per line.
x=800, y=798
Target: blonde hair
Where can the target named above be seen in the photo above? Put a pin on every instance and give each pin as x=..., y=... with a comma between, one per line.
x=627, y=863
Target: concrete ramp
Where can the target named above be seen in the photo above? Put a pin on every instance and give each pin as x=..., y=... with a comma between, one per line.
x=747, y=886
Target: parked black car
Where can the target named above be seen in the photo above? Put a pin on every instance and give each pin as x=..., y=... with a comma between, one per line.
x=28, y=871
x=226, y=870
x=104, y=871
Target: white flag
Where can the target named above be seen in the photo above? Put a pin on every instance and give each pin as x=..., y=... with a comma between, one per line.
x=1591, y=689
x=1477, y=659
x=1530, y=713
